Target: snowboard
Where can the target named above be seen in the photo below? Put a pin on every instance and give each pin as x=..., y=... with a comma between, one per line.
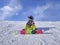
x=32, y=32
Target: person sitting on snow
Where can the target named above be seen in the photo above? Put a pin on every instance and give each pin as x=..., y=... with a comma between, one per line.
x=30, y=26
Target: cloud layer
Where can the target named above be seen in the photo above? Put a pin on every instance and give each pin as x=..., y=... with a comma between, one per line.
x=10, y=9
x=37, y=12
x=41, y=10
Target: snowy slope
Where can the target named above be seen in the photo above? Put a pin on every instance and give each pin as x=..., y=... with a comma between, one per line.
x=9, y=33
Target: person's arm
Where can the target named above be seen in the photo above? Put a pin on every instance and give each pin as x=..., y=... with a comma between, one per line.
x=25, y=27
x=34, y=27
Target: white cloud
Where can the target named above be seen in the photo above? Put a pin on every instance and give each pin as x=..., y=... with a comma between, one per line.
x=38, y=11
x=12, y=8
x=5, y=11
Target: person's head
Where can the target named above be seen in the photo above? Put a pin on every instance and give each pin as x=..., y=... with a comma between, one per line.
x=30, y=17
x=30, y=22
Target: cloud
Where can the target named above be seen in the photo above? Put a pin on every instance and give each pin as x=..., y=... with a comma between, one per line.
x=53, y=13
x=40, y=12
x=9, y=10
x=37, y=12
x=48, y=12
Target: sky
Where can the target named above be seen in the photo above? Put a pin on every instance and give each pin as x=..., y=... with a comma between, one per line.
x=19, y=10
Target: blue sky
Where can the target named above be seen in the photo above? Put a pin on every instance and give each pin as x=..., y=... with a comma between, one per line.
x=19, y=10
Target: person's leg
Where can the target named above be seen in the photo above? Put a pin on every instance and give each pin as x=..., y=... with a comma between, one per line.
x=28, y=32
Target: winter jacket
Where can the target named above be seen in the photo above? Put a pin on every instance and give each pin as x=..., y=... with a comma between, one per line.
x=29, y=28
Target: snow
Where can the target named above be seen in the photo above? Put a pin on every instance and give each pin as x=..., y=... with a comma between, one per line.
x=9, y=33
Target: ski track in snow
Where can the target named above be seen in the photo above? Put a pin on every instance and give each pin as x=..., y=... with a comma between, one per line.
x=9, y=34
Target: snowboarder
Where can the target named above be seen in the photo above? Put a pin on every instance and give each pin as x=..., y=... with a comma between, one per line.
x=30, y=26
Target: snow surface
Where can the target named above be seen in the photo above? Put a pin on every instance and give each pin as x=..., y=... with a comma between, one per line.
x=9, y=33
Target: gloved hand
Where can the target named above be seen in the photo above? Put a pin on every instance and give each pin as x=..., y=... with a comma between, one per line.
x=34, y=32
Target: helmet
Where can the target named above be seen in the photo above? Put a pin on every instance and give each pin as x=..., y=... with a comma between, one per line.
x=30, y=17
